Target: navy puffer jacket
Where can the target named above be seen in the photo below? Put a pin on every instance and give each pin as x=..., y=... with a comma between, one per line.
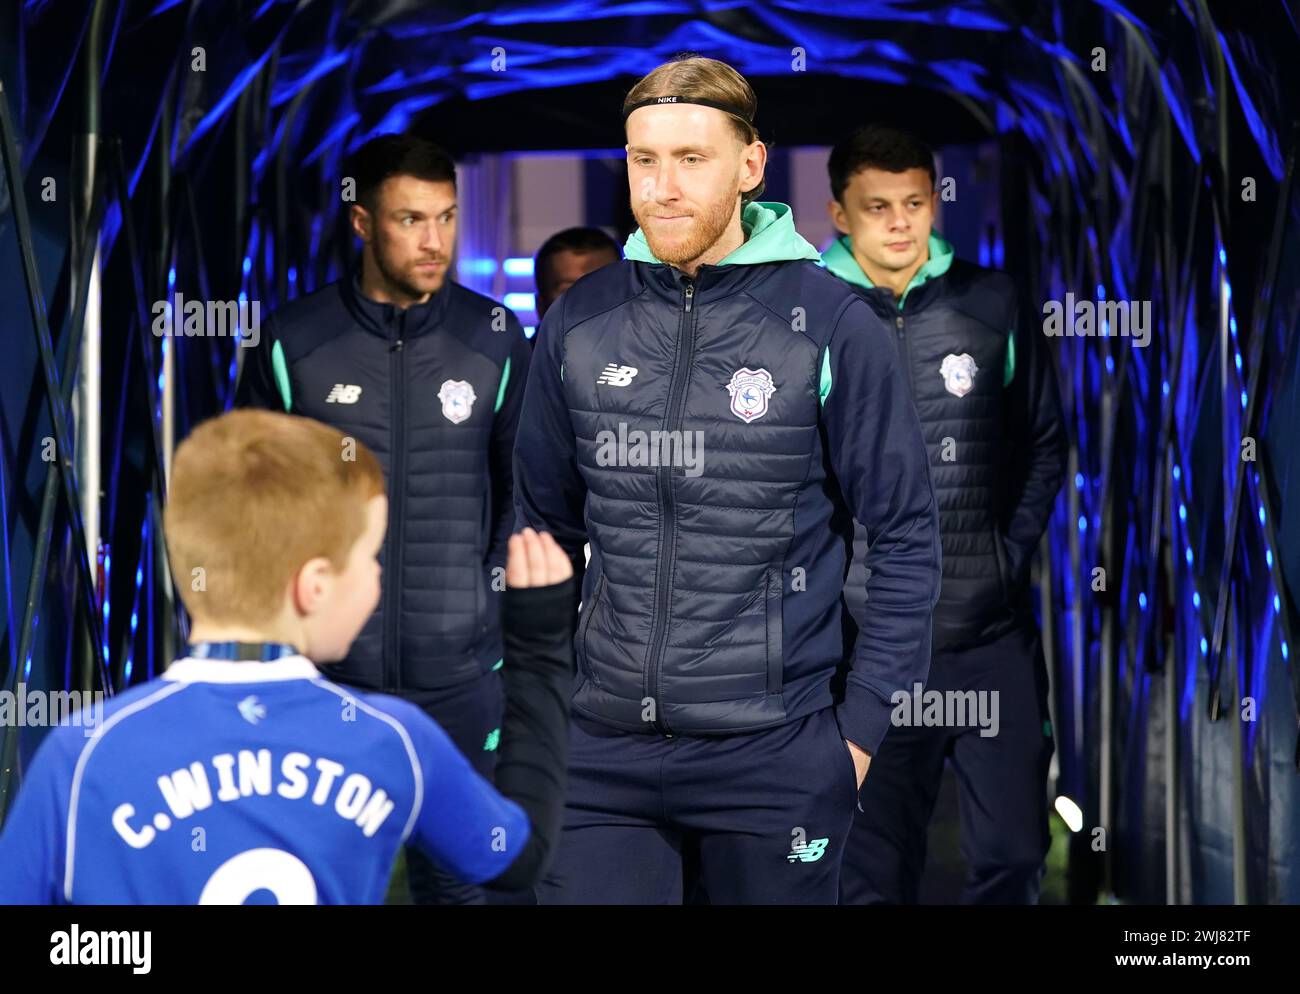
x=435, y=390
x=991, y=414
x=719, y=546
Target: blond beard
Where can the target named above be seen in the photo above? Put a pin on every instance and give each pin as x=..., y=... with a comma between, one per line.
x=707, y=228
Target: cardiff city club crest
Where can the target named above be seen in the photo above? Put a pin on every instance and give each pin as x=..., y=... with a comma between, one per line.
x=749, y=389
x=958, y=372
x=457, y=398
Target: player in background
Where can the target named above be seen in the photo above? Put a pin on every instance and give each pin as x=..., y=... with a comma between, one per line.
x=991, y=413
x=430, y=375
x=565, y=258
x=244, y=775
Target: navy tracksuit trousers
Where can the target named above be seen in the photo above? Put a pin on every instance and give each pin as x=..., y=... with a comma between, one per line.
x=761, y=817
x=470, y=713
x=1001, y=781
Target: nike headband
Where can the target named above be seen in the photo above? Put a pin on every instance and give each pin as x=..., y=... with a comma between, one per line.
x=728, y=108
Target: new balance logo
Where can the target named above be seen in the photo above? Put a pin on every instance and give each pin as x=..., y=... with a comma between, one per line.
x=343, y=393
x=615, y=375
x=808, y=852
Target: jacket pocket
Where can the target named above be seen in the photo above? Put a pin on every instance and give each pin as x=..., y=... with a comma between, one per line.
x=485, y=524
x=847, y=754
x=484, y=541
x=773, y=584
x=580, y=646
x=480, y=600
x=1004, y=566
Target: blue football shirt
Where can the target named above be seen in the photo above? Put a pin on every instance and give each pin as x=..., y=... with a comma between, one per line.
x=248, y=782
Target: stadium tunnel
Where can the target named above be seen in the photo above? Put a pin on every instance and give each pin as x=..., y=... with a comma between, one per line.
x=1108, y=149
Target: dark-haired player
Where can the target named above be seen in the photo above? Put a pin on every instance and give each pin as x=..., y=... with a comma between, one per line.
x=430, y=375
x=566, y=257
x=988, y=404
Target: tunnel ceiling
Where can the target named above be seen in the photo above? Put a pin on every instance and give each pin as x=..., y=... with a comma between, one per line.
x=484, y=77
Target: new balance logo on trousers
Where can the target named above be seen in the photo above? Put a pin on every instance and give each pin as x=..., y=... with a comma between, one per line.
x=808, y=852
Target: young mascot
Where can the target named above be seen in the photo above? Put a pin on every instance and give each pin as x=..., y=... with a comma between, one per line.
x=243, y=775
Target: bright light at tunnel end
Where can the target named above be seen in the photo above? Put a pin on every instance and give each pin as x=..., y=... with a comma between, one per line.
x=1070, y=812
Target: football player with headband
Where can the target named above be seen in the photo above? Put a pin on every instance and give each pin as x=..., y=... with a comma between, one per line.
x=711, y=414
